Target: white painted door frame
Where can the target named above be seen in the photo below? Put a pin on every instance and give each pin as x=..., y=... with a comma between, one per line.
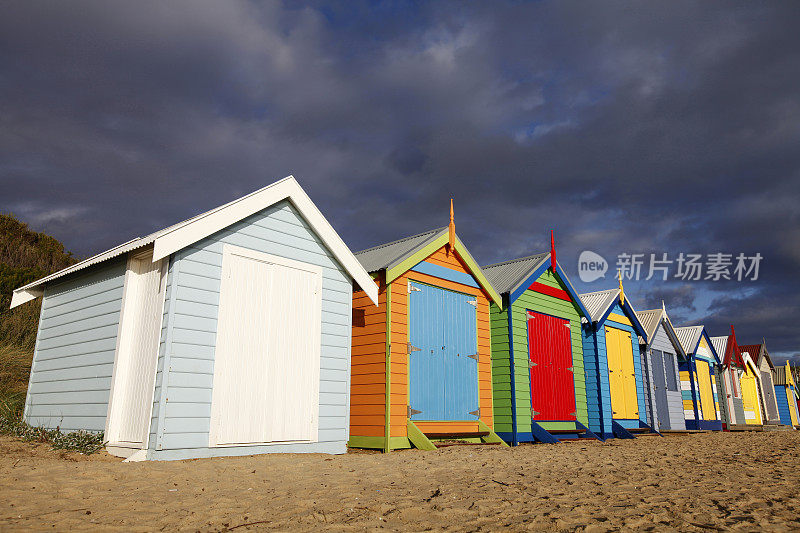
x=133, y=300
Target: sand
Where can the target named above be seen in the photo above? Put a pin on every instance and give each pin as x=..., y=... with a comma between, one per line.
x=746, y=481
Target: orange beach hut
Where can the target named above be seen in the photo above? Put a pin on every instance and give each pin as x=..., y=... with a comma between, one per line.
x=421, y=363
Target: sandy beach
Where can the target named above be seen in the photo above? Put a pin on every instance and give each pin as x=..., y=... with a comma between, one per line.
x=743, y=481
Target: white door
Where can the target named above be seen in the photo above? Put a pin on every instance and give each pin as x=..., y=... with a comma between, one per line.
x=137, y=353
x=266, y=362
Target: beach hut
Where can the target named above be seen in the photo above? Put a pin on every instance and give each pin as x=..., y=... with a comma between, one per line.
x=728, y=379
x=615, y=377
x=662, y=353
x=786, y=395
x=752, y=400
x=763, y=361
x=422, y=368
x=536, y=338
x=225, y=334
x=698, y=384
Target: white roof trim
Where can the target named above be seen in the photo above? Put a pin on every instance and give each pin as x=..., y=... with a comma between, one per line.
x=181, y=235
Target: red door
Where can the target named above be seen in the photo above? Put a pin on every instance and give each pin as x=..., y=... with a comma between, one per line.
x=552, y=379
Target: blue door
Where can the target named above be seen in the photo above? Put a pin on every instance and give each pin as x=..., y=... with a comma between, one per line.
x=444, y=348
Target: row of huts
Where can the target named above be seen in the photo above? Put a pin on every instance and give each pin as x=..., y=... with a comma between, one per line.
x=253, y=328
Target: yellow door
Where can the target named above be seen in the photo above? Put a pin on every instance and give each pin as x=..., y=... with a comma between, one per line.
x=621, y=374
x=792, y=404
x=706, y=393
x=752, y=411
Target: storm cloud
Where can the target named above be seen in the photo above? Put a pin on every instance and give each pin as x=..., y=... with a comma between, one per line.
x=626, y=128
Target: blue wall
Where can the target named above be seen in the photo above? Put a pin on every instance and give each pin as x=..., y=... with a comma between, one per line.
x=181, y=415
x=74, y=356
x=598, y=390
x=783, y=404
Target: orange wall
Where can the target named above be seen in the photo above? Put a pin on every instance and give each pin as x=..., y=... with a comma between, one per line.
x=368, y=360
x=367, y=402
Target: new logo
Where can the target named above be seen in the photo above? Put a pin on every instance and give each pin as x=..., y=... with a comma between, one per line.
x=591, y=266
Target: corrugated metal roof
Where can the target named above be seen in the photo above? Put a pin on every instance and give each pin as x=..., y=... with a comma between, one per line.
x=689, y=336
x=506, y=276
x=720, y=344
x=385, y=255
x=650, y=320
x=133, y=244
x=284, y=189
x=596, y=303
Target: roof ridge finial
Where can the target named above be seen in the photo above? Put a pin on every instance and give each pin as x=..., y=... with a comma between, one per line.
x=451, y=240
x=621, y=288
x=552, y=252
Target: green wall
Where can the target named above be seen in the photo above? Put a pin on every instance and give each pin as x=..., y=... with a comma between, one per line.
x=500, y=354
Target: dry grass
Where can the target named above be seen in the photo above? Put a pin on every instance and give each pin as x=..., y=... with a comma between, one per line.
x=15, y=368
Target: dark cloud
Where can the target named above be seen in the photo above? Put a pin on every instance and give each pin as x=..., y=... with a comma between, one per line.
x=654, y=128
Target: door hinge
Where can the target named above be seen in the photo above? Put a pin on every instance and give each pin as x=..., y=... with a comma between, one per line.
x=473, y=356
x=566, y=325
x=531, y=364
x=574, y=413
x=476, y=412
x=534, y=413
x=412, y=348
x=412, y=412
x=412, y=288
x=571, y=369
x=473, y=303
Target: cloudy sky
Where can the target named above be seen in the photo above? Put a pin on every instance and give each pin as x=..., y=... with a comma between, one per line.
x=625, y=127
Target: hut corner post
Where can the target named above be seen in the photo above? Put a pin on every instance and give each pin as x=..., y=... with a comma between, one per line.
x=387, y=421
x=512, y=371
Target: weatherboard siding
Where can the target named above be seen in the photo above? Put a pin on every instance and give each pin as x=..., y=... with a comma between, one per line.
x=184, y=387
x=74, y=355
x=783, y=404
x=501, y=371
x=367, y=388
x=660, y=341
x=722, y=406
x=648, y=386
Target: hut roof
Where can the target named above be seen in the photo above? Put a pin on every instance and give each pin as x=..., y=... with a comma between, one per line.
x=757, y=351
x=176, y=237
x=508, y=275
x=390, y=253
x=689, y=336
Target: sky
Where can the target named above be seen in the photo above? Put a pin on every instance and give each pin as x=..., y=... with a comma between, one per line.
x=627, y=128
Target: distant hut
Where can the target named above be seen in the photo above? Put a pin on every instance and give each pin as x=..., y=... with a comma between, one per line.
x=615, y=382
x=763, y=361
x=664, y=353
x=422, y=366
x=546, y=398
x=225, y=334
x=752, y=399
x=786, y=394
x=698, y=384
x=728, y=377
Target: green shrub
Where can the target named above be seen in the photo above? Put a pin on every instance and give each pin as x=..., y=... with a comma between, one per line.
x=83, y=442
